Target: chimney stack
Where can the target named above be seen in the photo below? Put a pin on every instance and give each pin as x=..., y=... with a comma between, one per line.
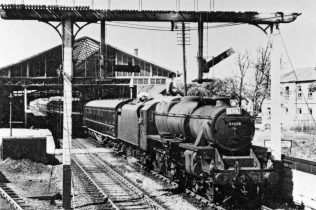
x=136, y=51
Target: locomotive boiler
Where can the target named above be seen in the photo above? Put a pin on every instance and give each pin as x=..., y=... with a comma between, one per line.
x=203, y=143
x=207, y=121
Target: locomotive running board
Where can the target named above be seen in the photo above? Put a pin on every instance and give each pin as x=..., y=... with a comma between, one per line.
x=191, y=147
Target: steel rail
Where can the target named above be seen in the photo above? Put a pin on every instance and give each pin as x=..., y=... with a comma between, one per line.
x=123, y=180
x=175, y=184
x=95, y=184
x=14, y=203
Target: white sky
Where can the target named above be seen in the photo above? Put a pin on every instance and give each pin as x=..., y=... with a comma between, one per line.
x=21, y=39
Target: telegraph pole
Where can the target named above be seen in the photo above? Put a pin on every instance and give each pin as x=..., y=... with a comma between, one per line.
x=184, y=60
x=184, y=40
x=11, y=114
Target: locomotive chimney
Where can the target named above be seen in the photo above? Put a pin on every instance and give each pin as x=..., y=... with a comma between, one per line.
x=136, y=51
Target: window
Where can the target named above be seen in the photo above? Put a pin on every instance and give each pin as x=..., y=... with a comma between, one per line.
x=145, y=81
x=124, y=59
x=299, y=110
x=147, y=69
x=125, y=63
x=310, y=93
x=119, y=58
x=155, y=71
x=165, y=73
x=142, y=69
x=310, y=110
x=287, y=91
x=136, y=64
x=160, y=72
x=152, y=81
x=299, y=91
x=130, y=62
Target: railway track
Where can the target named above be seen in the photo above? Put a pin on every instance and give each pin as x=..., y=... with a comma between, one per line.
x=203, y=201
x=189, y=193
x=107, y=187
x=12, y=198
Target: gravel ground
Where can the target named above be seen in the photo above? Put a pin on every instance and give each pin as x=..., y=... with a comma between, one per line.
x=304, y=145
x=3, y=204
x=35, y=179
x=156, y=189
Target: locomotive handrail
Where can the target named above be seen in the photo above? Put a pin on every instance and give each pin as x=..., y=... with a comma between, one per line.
x=196, y=116
x=183, y=115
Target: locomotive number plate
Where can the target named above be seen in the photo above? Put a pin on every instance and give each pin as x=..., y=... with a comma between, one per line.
x=234, y=124
x=233, y=111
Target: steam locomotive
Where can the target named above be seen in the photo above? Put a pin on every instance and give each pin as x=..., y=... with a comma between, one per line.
x=203, y=143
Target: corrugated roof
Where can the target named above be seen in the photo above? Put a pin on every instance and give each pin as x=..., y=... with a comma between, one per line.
x=84, y=47
x=111, y=103
x=306, y=74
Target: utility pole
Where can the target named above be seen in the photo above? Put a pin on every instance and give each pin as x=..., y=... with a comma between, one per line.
x=11, y=114
x=185, y=40
x=200, y=50
x=25, y=107
x=67, y=122
x=184, y=60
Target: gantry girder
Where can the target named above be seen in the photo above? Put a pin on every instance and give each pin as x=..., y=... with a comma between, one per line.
x=85, y=14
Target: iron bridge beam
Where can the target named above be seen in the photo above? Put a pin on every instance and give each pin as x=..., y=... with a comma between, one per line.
x=84, y=14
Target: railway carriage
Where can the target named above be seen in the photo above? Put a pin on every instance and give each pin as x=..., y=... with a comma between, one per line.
x=204, y=143
x=100, y=118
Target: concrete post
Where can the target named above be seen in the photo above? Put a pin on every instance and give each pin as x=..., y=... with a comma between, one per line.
x=25, y=107
x=102, y=50
x=200, y=51
x=28, y=69
x=67, y=118
x=131, y=88
x=10, y=113
x=275, y=94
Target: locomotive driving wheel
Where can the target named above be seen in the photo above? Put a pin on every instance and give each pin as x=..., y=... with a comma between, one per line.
x=209, y=189
x=172, y=171
x=159, y=163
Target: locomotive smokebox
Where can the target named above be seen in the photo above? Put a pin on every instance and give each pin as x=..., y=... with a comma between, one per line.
x=192, y=116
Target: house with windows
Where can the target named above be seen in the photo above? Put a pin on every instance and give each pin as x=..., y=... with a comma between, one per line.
x=298, y=99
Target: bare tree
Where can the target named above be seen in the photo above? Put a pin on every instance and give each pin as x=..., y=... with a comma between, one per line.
x=260, y=89
x=244, y=63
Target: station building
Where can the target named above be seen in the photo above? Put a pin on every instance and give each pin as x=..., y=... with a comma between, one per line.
x=298, y=100
x=87, y=64
x=40, y=76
